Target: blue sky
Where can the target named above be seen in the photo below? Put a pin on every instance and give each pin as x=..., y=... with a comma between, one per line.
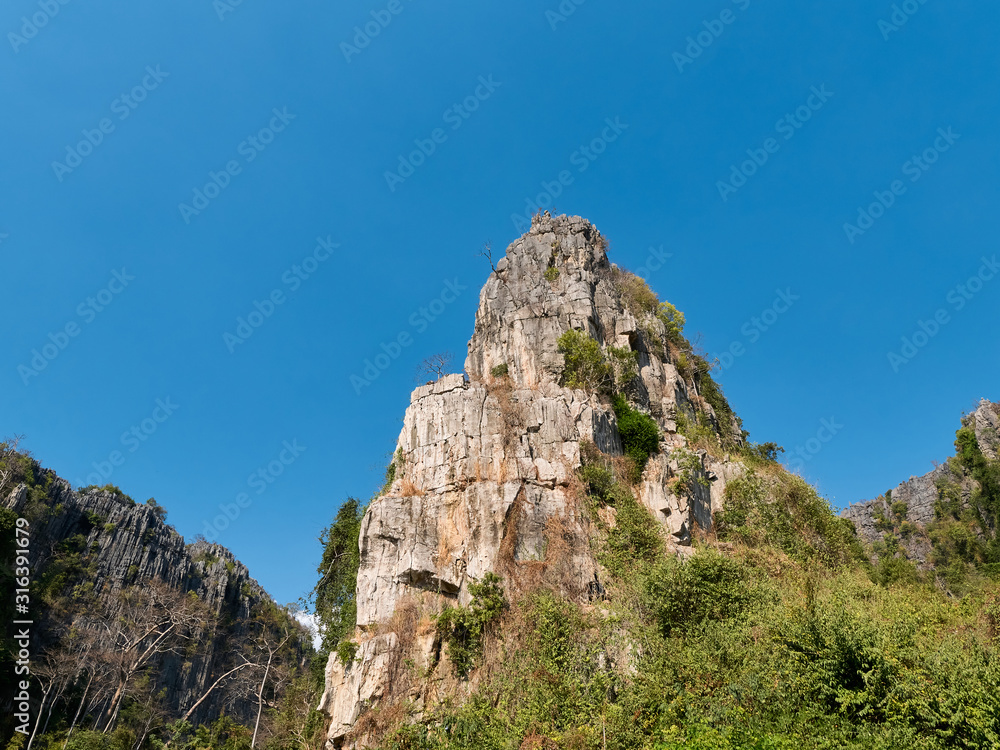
x=747, y=135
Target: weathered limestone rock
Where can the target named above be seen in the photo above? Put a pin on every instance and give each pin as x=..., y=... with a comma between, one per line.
x=486, y=462
x=987, y=425
x=350, y=688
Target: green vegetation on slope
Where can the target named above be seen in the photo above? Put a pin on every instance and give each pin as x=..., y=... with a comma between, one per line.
x=778, y=635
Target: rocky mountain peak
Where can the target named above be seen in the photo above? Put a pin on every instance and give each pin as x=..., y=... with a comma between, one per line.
x=547, y=283
x=485, y=475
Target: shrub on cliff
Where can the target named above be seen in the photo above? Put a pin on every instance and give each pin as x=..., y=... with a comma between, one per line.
x=586, y=366
x=639, y=433
x=464, y=627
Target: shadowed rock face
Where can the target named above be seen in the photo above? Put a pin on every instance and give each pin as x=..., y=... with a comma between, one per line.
x=487, y=480
x=129, y=544
x=920, y=494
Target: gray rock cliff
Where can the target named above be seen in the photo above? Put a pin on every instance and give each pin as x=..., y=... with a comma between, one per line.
x=487, y=462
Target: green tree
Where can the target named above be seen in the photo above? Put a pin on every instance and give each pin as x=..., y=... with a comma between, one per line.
x=336, y=607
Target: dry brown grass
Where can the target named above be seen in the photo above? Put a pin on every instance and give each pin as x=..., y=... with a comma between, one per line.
x=535, y=741
x=392, y=710
x=409, y=489
x=512, y=414
x=636, y=296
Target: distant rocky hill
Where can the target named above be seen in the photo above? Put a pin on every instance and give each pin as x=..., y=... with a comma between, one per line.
x=127, y=615
x=920, y=519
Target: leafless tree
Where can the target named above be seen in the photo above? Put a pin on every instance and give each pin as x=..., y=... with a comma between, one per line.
x=435, y=366
x=153, y=619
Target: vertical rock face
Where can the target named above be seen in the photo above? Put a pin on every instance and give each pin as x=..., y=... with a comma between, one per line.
x=120, y=543
x=486, y=462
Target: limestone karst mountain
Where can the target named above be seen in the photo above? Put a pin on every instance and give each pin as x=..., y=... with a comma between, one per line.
x=521, y=580
x=486, y=469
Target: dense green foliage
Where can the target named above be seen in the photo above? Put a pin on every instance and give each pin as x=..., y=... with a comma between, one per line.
x=335, y=605
x=780, y=636
x=463, y=628
x=639, y=433
x=586, y=365
x=591, y=368
x=780, y=510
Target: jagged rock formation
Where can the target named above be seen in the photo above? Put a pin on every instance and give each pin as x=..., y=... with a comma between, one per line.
x=915, y=502
x=486, y=467
x=112, y=543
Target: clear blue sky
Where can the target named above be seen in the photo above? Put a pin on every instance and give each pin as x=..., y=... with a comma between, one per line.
x=208, y=86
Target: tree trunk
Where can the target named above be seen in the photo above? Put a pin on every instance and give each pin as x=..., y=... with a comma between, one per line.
x=83, y=700
x=41, y=709
x=260, y=701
